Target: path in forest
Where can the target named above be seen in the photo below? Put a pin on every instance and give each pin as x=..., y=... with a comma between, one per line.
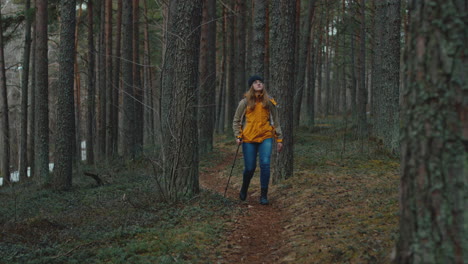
x=256, y=234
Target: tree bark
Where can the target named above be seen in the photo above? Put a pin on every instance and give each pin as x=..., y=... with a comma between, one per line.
x=110, y=141
x=138, y=91
x=304, y=44
x=282, y=68
x=391, y=75
x=5, y=131
x=434, y=167
x=32, y=113
x=179, y=98
x=128, y=106
x=206, y=100
x=149, y=95
x=240, y=50
x=117, y=83
x=91, y=101
x=42, y=103
x=231, y=103
x=258, y=38
x=23, y=161
x=101, y=80
x=64, y=140
x=362, y=92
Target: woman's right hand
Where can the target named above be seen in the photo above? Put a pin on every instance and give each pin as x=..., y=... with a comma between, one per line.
x=238, y=141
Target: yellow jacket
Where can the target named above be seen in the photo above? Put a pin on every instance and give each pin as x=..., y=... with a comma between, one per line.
x=254, y=126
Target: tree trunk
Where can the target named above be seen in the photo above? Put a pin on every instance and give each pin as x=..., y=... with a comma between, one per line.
x=91, y=101
x=220, y=121
x=128, y=106
x=101, y=81
x=282, y=73
x=76, y=146
x=23, y=162
x=231, y=69
x=241, y=85
x=434, y=167
x=116, y=79
x=327, y=55
x=42, y=103
x=5, y=131
x=391, y=75
x=138, y=91
x=64, y=140
x=310, y=95
x=304, y=44
x=179, y=84
x=377, y=106
x=353, y=86
x=320, y=69
x=266, y=67
x=343, y=101
x=206, y=100
x=149, y=111
x=109, y=87
x=32, y=126
x=362, y=92
x=258, y=38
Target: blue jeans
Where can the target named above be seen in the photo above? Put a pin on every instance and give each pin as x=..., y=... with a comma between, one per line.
x=250, y=151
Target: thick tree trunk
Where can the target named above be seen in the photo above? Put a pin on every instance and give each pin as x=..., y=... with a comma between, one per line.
x=179, y=84
x=434, y=167
x=64, y=140
x=206, y=98
x=42, y=103
x=282, y=73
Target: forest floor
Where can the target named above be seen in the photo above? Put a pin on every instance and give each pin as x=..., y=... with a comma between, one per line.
x=339, y=206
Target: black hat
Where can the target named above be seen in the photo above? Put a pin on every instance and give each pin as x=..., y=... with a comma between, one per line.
x=254, y=78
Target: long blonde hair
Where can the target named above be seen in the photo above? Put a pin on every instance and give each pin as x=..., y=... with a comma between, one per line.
x=252, y=98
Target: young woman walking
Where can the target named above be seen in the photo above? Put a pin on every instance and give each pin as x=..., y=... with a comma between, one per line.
x=255, y=126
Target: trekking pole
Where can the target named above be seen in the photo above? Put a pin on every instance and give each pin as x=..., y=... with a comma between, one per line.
x=230, y=174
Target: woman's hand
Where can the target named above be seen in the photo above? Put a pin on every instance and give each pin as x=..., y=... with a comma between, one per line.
x=238, y=141
x=279, y=146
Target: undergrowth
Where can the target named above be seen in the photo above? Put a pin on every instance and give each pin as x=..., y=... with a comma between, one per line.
x=340, y=206
x=343, y=199
x=122, y=221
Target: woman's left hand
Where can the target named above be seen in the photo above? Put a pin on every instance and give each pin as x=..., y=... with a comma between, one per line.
x=279, y=146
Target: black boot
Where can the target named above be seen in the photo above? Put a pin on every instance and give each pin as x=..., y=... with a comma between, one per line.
x=263, y=197
x=243, y=191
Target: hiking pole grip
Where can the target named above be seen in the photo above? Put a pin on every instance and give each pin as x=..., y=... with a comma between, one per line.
x=230, y=174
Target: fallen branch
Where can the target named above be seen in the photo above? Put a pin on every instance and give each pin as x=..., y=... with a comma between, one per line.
x=95, y=177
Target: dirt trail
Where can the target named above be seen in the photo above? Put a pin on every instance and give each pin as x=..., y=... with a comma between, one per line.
x=256, y=235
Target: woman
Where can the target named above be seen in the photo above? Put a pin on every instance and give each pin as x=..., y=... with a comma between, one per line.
x=255, y=126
